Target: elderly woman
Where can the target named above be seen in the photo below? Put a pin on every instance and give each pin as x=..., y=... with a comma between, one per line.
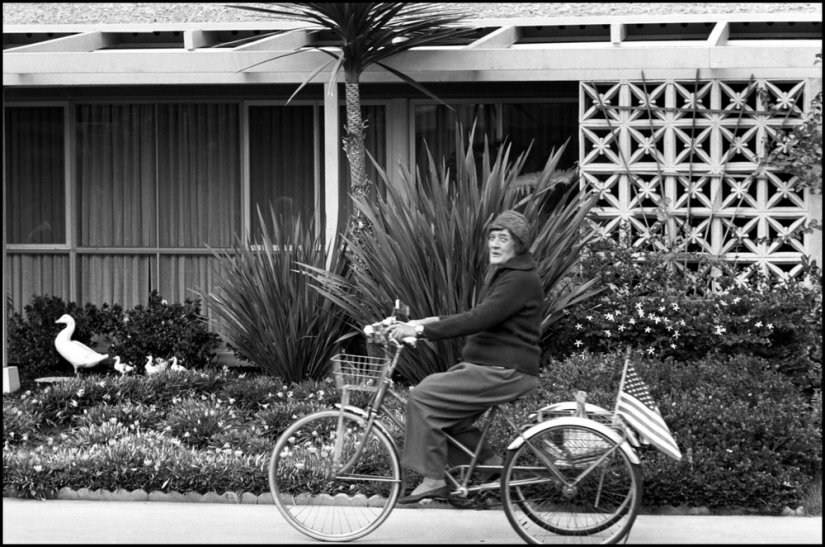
x=500, y=359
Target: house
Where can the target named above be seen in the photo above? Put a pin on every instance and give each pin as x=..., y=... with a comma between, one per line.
x=131, y=147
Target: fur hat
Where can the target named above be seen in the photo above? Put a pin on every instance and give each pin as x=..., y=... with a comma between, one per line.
x=517, y=224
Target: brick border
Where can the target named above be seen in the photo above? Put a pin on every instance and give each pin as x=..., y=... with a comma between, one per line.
x=248, y=498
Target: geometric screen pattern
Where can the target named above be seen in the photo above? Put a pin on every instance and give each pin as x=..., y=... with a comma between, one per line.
x=687, y=153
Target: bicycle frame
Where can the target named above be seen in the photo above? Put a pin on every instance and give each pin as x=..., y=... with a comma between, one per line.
x=377, y=408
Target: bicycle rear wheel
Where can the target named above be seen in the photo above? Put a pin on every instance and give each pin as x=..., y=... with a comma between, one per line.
x=328, y=506
x=599, y=508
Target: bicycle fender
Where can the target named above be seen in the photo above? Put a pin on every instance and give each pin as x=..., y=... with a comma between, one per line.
x=361, y=413
x=572, y=420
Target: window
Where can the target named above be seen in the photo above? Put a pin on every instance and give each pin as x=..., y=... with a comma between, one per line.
x=547, y=125
x=35, y=175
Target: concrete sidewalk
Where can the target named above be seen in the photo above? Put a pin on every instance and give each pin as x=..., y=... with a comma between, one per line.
x=75, y=521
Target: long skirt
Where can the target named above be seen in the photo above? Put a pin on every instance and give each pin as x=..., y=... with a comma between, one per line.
x=451, y=402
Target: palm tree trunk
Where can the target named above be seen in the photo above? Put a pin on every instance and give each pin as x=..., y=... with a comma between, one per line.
x=354, y=141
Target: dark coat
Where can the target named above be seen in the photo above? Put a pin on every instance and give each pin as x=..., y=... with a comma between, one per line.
x=505, y=326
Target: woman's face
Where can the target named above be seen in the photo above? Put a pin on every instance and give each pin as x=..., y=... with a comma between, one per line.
x=502, y=246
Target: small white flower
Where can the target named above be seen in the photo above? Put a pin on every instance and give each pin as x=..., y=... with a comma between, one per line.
x=661, y=309
x=607, y=332
x=673, y=346
x=579, y=326
x=720, y=329
x=38, y=468
x=632, y=321
x=578, y=343
x=759, y=323
x=675, y=306
x=589, y=317
x=647, y=329
x=609, y=316
x=621, y=328
x=736, y=300
x=650, y=350
x=770, y=325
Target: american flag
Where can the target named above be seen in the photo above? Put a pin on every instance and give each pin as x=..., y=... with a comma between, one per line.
x=638, y=409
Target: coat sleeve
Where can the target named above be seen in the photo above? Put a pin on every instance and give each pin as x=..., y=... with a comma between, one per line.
x=506, y=298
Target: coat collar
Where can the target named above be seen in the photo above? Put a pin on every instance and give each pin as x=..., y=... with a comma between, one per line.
x=523, y=261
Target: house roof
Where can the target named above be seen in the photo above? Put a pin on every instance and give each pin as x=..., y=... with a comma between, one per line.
x=109, y=13
x=592, y=47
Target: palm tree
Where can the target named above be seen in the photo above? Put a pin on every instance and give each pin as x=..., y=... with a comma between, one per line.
x=368, y=33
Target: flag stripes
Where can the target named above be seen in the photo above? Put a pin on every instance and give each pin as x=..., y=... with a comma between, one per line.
x=649, y=424
x=636, y=406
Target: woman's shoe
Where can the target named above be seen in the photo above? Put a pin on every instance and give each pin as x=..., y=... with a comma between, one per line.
x=441, y=493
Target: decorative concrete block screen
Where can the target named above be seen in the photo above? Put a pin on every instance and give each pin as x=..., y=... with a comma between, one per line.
x=687, y=153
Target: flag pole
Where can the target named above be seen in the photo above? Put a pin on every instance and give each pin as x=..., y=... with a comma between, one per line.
x=621, y=385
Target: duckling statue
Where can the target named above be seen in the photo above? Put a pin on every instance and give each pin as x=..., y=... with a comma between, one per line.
x=175, y=366
x=152, y=369
x=78, y=354
x=123, y=368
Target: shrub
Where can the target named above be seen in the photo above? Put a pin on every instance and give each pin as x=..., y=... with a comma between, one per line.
x=272, y=314
x=31, y=335
x=427, y=245
x=747, y=436
x=670, y=311
x=164, y=330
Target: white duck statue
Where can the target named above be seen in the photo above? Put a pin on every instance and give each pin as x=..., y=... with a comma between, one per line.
x=78, y=354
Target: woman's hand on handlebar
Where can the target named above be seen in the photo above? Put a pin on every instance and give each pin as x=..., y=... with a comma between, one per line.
x=399, y=330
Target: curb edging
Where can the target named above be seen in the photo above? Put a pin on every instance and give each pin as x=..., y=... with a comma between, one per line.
x=248, y=498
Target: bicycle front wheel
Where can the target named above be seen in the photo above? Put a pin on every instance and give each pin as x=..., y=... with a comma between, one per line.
x=588, y=493
x=318, y=501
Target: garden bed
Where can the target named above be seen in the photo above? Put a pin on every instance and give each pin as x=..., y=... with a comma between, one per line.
x=205, y=436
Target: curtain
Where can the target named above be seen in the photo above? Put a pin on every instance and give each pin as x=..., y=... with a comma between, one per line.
x=282, y=160
x=199, y=186
x=116, y=182
x=35, y=175
x=116, y=278
x=35, y=274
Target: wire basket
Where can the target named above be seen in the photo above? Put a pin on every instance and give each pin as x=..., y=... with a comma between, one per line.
x=358, y=372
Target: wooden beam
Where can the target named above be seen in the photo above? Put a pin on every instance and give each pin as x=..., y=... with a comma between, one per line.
x=194, y=39
x=719, y=35
x=469, y=65
x=501, y=38
x=285, y=41
x=84, y=42
x=618, y=33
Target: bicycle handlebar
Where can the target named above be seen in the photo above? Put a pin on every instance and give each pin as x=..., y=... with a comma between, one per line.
x=377, y=333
